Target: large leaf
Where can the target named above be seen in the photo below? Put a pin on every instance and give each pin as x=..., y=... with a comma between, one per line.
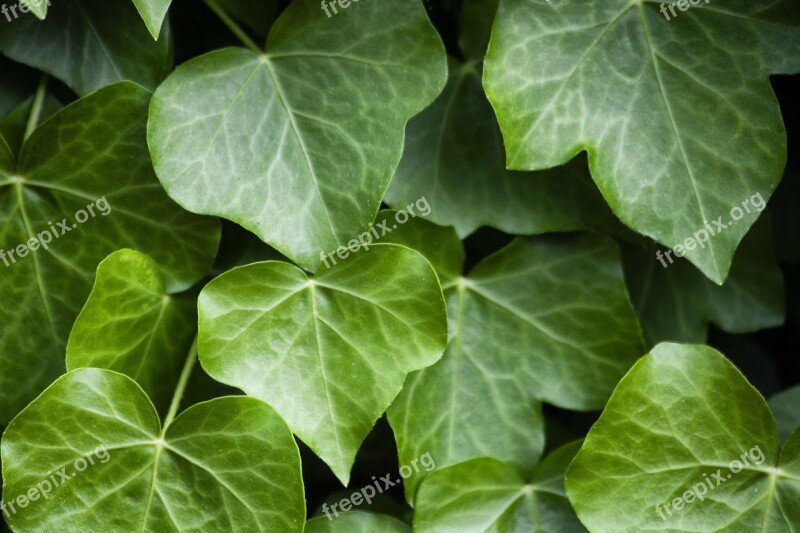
x=331, y=353
x=484, y=495
x=686, y=444
x=677, y=116
x=545, y=319
x=298, y=144
x=784, y=405
x=132, y=325
x=89, y=44
x=92, y=152
x=356, y=522
x=675, y=302
x=230, y=464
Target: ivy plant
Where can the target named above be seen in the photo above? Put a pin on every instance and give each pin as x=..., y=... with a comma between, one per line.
x=388, y=266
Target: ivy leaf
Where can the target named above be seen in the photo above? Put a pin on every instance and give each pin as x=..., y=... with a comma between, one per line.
x=132, y=325
x=91, y=153
x=486, y=495
x=89, y=44
x=544, y=319
x=153, y=13
x=673, y=140
x=784, y=407
x=676, y=302
x=676, y=424
x=308, y=169
x=37, y=7
x=331, y=353
x=228, y=464
x=357, y=522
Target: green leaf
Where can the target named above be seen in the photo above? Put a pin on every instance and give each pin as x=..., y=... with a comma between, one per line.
x=676, y=424
x=132, y=325
x=12, y=127
x=787, y=415
x=329, y=354
x=487, y=495
x=678, y=117
x=441, y=246
x=153, y=13
x=544, y=319
x=258, y=15
x=676, y=302
x=357, y=522
x=91, y=153
x=89, y=44
x=298, y=144
x=37, y=7
x=230, y=464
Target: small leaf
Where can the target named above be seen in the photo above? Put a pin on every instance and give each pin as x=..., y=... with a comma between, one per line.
x=329, y=354
x=153, y=13
x=132, y=325
x=678, y=116
x=686, y=444
x=486, y=495
x=89, y=44
x=357, y=522
x=298, y=144
x=544, y=319
x=230, y=464
x=37, y=7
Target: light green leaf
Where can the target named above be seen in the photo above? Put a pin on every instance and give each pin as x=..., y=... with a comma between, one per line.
x=676, y=302
x=483, y=495
x=91, y=153
x=329, y=354
x=89, y=44
x=132, y=325
x=298, y=144
x=544, y=319
x=676, y=424
x=357, y=522
x=37, y=7
x=678, y=117
x=230, y=464
x=787, y=415
x=153, y=13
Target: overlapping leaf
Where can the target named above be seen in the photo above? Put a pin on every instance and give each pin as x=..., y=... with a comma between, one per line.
x=670, y=434
x=330, y=353
x=92, y=152
x=132, y=325
x=675, y=302
x=787, y=415
x=486, y=495
x=357, y=522
x=678, y=116
x=89, y=44
x=298, y=143
x=230, y=464
x=545, y=319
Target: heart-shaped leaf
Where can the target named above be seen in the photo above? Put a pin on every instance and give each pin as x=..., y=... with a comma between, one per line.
x=686, y=444
x=89, y=44
x=132, y=325
x=486, y=495
x=90, y=454
x=298, y=143
x=544, y=319
x=82, y=188
x=677, y=115
x=330, y=353
x=675, y=302
x=357, y=522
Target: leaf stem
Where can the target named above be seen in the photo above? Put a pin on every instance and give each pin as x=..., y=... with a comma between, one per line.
x=229, y=22
x=36, y=107
x=179, y=389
